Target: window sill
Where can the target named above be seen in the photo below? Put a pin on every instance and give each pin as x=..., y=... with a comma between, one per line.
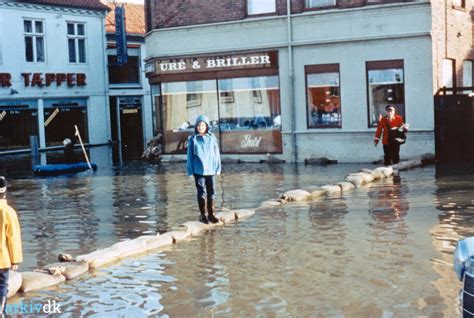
x=458, y=8
x=259, y=15
x=125, y=86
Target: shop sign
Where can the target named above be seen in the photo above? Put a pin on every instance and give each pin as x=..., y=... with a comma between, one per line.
x=215, y=63
x=46, y=79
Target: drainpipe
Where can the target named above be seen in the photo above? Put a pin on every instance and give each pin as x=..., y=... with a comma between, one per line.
x=291, y=80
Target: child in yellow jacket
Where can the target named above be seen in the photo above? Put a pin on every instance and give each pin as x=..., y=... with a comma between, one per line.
x=10, y=242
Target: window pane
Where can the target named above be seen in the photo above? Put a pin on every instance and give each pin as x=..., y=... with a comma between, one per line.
x=82, y=50
x=72, y=50
x=38, y=27
x=324, y=100
x=386, y=86
x=80, y=29
x=448, y=72
x=124, y=74
x=467, y=75
x=181, y=111
x=29, y=48
x=260, y=6
x=39, y=49
x=250, y=117
x=320, y=3
x=70, y=29
x=27, y=26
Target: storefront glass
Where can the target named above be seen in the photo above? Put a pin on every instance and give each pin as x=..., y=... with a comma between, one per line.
x=324, y=98
x=18, y=121
x=244, y=113
x=250, y=117
x=182, y=103
x=60, y=116
x=385, y=86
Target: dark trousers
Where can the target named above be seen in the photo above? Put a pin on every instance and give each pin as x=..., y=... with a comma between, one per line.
x=205, y=187
x=391, y=154
x=4, y=273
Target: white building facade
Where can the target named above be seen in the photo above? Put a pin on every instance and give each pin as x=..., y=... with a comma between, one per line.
x=53, y=74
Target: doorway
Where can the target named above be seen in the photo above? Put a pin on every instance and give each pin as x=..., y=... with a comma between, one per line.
x=127, y=127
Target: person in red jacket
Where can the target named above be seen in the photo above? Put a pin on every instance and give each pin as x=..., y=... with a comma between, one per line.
x=389, y=125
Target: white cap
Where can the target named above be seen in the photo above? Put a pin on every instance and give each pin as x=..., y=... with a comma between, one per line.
x=3, y=185
x=67, y=141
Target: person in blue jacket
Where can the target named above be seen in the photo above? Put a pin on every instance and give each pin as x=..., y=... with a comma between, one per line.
x=204, y=162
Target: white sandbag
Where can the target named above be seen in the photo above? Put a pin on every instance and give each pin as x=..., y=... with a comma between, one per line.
x=346, y=186
x=367, y=177
x=387, y=171
x=35, y=280
x=129, y=248
x=332, y=188
x=376, y=174
x=69, y=270
x=14, y=283
x=239, y=214
x=196, y=227
x=159, y=241
x=145, y=238
x=296, y=195
x=99, y=258
x=226, y=217
x=316, y=191
x=269, y=204
x=179, y=235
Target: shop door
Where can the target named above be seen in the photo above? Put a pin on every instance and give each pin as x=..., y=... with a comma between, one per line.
x=454, y=128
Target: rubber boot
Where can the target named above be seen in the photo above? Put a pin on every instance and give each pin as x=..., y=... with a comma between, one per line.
x=210, y=211
x=202, y=209
x=3, y=303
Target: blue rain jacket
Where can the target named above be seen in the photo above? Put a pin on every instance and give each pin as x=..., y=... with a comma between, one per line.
x=203, y=152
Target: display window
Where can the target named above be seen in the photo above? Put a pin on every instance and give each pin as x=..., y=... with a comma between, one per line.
x=385, y=85
x=323, y=96
x=244, y=113
x=18, y=121
x=60, y=116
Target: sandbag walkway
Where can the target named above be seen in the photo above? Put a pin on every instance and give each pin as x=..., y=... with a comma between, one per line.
x=70, y=268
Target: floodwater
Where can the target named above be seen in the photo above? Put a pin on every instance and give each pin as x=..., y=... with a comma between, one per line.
x=378, y=251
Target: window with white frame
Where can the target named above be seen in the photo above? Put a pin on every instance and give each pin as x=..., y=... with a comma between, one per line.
x=467, y=73
x=34, y=40
x=260, y=6
x=320, y=3
x=76, y=38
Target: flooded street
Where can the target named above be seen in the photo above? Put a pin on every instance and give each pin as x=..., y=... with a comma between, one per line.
x=382, y=250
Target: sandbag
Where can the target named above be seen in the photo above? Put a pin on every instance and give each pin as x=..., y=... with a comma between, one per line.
x=159, y=241
x=356, y=180
x=99, y=258
x=367, y=177
x=69, y=270
x=269, y=204
x=376, y=174
x=387, y=171
x=316, y=191
x=35, y=280
x=346, y=186
x=179, y=235
x=129, y=248
x=14, y=283
x=239, y=214
x=226, y=217
x=195, y=227
x=332, y=188
x=296, y=195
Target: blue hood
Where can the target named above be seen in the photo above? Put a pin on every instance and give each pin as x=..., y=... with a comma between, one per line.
x=199, y=119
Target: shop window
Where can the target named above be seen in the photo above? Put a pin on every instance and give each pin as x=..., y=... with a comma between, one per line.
x=260, y=6
x=60, y=116
x=467, y=75
x=34, y=40
x=128, y=73
x=183, y=102
x=385, y=86
x=76, y=37
x=323, y=96
x=250, y=117
x=320, y=3
x=18, y=121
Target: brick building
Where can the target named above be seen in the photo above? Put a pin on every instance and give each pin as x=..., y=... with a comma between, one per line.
x=310, y=83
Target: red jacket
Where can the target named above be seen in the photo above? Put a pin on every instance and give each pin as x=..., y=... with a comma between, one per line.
x=396, y=122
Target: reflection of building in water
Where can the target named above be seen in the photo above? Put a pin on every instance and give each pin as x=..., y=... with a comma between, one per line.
x=454, y=200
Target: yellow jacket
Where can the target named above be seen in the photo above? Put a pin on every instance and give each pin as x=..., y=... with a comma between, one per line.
x=10, y=236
